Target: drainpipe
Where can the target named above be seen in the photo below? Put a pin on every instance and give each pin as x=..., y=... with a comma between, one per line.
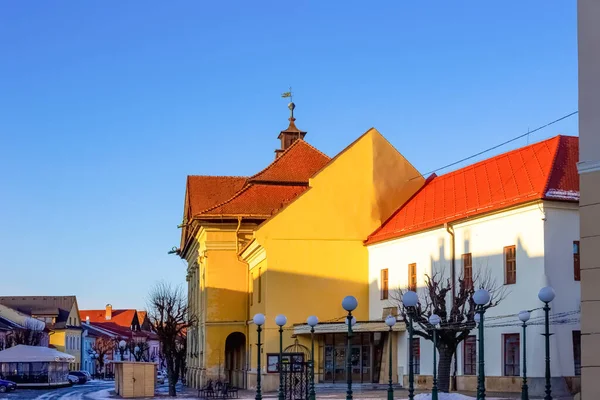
x=246, y=326
x=450, y=230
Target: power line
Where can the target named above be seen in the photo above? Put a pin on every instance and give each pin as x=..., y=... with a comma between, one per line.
x=529, y=132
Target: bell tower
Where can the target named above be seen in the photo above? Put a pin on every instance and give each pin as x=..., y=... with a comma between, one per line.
x=291, y=134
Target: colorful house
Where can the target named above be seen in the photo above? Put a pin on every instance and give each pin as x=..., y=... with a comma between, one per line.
x=61, y=316
x=270, y=242
x=127, y=324
x=512, y=220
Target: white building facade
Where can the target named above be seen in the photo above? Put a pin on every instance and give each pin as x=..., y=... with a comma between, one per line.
x=523, y=246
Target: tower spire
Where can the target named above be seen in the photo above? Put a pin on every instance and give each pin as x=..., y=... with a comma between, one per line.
x=292, y=133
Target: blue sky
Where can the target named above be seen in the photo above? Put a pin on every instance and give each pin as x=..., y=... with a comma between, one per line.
x=105, y=109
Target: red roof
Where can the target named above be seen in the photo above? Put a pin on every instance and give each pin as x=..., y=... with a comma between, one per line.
x=297, y=164
x=260, y=195
x=122, y=318
x=257, y=200
x=205, y=191
x=546, y=170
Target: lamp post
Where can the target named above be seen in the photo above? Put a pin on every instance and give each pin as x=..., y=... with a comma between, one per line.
x=481, y=297
x=524, y=317
x=312, y=321
x=349, y=304
x=434, y=320
x=280, y=320
x=259, y=321
x=546, y=295
x=122, y=346
x=410, y=300
x=390, y=321
x=136, y=353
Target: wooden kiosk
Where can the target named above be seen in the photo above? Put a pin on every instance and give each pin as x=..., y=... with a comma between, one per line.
x=134, y=379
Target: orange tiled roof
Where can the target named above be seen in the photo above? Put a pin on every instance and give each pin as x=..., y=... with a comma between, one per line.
x=545, y=170
x=122, y=318
x=204, y=192
x=257, y=200
x=261, y=194
x=297, y=164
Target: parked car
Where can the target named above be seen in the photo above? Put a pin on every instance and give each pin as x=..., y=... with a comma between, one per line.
x=81, y=375
x=87, y=374
x=161, y=377
x=73, y=379
x=7, y=386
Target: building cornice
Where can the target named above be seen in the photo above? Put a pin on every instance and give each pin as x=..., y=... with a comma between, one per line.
x=586, y=167
x=253, y=254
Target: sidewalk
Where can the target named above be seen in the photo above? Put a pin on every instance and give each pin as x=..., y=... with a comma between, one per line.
x=399, y=394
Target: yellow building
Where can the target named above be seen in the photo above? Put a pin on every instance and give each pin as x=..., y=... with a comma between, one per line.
x=220, y=215
x=61, y=315
x=299, y=256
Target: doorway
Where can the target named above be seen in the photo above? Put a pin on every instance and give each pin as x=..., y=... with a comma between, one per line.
x=235, y=359
x=365, y=357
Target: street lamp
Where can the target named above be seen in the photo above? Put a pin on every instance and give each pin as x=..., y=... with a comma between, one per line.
x=122, y=346
x=546, y=295
x=259, y=321
x=281, y=320
x=410, y=300
x=434, y=320
x=349, y=304
x=390, y=321
x=481, y=297
x=136, y=353
x=312, y=321
x=524, y=317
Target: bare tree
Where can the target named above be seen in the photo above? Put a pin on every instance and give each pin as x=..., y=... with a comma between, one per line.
x=457, y=318
x=170, y=317
x=102, y=347
x=142, y=349
x=30, y=334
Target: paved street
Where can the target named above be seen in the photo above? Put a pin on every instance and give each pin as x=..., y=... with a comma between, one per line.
x=98, y=390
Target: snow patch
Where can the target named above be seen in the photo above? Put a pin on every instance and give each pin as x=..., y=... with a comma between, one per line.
x=449, y=396
x=562, y=194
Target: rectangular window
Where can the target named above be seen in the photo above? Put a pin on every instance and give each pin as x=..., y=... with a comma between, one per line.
x=384, y=284
x=470, y=356
x=576, y=267
x=577, y=352
x=416, y=350
x=412, y=277
x=467, y=270
x=511, y=354
x=259, y=285
x=510, y=265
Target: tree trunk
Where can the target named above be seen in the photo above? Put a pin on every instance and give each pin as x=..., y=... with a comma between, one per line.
x=444, y=368
x=172, y=383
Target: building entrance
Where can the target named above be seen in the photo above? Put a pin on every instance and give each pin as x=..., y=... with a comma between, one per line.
x=365, y=357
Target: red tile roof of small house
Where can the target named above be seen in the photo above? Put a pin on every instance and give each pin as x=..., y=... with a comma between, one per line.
x=546, y=170
x=122, y=318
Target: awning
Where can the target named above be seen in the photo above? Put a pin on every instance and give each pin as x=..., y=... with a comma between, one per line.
x=340, y=327
x=23, y=353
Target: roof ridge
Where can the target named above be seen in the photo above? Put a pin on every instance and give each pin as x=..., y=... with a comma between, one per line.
x=287, y=151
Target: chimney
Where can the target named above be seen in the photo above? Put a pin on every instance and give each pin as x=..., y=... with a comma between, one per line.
x=108, y=312
x=87, y=319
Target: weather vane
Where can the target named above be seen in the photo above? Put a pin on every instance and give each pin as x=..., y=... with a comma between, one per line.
x=288, y=94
